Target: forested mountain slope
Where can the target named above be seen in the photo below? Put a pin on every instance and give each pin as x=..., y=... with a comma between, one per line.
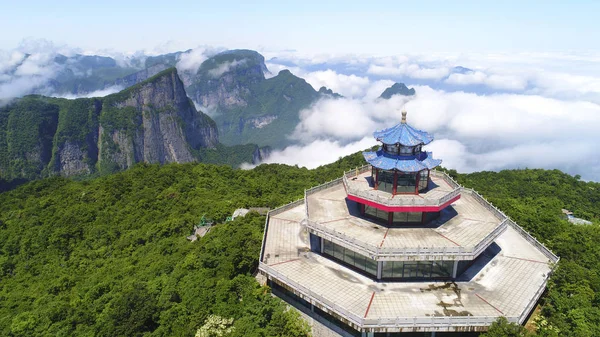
x=109, y=257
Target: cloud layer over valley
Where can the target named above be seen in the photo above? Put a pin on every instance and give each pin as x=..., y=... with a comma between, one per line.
x=489, y=113
x=486, y=111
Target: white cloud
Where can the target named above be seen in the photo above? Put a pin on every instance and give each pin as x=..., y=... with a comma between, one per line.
x=318, y=152
x=97, y=93
x=340, y=119
x=495, y=81
x=411, y=70
x=346, y=85
x=473, y=132
x=225, y=67
x=10, y=60
x=191, y=61
x=21, y=74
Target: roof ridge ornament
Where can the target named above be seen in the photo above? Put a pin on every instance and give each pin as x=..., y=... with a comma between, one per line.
x=403, y=115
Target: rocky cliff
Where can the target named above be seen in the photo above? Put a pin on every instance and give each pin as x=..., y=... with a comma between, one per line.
x=225, y=80
x=163, y=125
x=153, y=121
x=247, y=106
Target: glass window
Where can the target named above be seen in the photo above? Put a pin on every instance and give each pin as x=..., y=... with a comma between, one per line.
x=423, y=179
x=424, y=269
x=406, y=182
x=359, y=261
x=338, y=252
x=398, y=267
x=387, y=270
x=442, y=268
x=400, y=217
x=391, y=148
x=371, y=266
x=410, y=269
x=350, y=257
x=413, y=216
x=386, y=181
x=407, y=217
x=377, y=213
x=406, y=150
x=328, y=247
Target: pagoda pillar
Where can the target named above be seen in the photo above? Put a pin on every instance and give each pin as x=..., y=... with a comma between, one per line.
x=376, y=178
x=417, y=177
x=395, y=188
x=428, y=177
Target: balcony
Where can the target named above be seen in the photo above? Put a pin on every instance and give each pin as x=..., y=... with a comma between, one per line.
x=464, y=229
x=441, y=192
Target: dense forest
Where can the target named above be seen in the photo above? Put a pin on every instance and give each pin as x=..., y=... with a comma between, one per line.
x=109, y=256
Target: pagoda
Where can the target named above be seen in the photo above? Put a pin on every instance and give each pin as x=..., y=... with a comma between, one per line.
x=396, y=246
x=400, y=166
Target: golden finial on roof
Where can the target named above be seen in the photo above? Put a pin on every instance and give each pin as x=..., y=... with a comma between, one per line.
x=403, y=115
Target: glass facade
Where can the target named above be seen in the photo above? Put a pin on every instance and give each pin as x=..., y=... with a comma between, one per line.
x=397, y=217
x=350, y=257
x=420, y=269
x=390, y=269
x=406, y=182
x=397, y=149
x=407, y=217
x=376, y=213
x=385, y=180
x=423, y=179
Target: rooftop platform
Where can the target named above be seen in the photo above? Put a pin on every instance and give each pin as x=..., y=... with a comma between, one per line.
x=464, y=230
x=442, y=191
x=507, y=280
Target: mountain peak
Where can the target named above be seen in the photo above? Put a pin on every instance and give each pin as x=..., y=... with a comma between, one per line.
x=328, y=92
x=397, y=89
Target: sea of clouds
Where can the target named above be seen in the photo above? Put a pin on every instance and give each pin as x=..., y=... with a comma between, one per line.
x=487, y=111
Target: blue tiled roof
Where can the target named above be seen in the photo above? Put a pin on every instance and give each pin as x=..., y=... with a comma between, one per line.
x=403, y=134
x=384, y=161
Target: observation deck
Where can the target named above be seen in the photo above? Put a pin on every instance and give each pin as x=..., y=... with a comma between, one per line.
x=442, y=191
x=507, y=280
x=462, y=232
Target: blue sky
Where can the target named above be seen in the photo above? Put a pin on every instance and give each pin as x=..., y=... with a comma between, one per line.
x=377, y=27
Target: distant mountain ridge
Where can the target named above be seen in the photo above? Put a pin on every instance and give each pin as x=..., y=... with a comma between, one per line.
x=231, y=86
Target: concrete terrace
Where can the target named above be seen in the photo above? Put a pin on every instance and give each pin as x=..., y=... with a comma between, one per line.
x=506, y=280
x=463, y=230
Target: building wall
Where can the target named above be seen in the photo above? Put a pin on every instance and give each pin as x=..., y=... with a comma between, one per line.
x=384, y=270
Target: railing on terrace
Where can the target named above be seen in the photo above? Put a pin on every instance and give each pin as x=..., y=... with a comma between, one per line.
x=398, y=201
x=433, y=322
x=485, y=203
x=500, y=215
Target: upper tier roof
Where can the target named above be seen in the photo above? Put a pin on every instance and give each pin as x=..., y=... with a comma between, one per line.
x=404, y=134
